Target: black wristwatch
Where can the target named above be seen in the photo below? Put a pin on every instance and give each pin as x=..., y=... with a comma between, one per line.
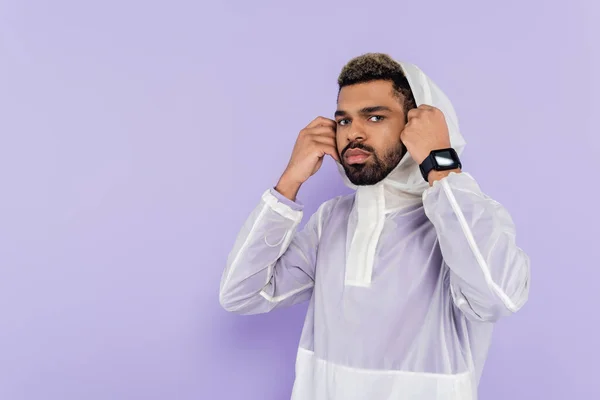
x=440, y=160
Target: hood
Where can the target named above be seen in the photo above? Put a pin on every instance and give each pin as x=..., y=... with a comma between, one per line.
x=405, y=185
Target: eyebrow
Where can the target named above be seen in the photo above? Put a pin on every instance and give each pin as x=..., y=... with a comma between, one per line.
x=365, y=110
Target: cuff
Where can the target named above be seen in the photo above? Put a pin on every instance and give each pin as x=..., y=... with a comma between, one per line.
x=296, y=206
x=462, y=180
x=289, y=209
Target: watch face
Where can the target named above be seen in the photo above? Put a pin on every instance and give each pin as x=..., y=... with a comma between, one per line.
x=444, y=158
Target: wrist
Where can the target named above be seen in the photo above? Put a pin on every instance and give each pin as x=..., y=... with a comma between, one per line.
x=437, y=175
x=288, y=188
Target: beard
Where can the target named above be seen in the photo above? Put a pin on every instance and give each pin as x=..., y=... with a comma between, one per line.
x=376, y=168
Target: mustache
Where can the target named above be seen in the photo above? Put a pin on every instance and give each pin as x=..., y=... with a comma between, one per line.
x=357, y=145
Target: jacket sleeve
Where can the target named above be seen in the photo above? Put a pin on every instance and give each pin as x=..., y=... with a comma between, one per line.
x=272, y=264
x=489, y=274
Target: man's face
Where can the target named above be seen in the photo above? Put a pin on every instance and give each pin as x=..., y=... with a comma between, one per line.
x=369, y=119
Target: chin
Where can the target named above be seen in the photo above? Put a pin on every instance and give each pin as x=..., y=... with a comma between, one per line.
x=365, y=178
x=366, y=174
x=363, y=182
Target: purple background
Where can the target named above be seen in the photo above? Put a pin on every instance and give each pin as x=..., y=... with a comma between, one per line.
x=133, y=144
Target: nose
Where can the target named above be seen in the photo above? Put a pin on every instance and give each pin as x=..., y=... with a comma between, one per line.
x=357, y=133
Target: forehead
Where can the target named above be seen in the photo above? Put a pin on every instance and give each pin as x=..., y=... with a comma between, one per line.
x=368, y=94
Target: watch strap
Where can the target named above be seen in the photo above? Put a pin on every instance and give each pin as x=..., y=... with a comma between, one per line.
x=430, y=162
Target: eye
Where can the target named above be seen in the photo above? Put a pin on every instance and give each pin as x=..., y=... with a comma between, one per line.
x=343, y=122
x=376, y=118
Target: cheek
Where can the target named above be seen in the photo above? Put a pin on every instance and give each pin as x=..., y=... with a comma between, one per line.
x=339, y=141
x=386, y=140
x=392, y=134
x=399, y=129
x=384, y=136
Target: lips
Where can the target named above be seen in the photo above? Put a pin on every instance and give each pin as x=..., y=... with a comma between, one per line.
x=356, y=156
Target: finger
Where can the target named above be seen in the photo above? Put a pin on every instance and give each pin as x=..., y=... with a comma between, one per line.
x=332, y=152
x=328, y=148
x=405, y=131
x=322, y=121
x=324, y=140
x=322, y=131
x=413, y=113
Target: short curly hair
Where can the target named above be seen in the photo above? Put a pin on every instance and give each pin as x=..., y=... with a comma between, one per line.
x=378, y=66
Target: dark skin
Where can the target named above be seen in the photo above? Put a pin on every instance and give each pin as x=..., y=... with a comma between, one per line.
x=369, y=117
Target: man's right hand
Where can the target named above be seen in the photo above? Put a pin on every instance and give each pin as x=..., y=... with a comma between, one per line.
x=313, y=143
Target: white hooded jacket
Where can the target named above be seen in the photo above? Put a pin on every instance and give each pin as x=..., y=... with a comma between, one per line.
x=404, y=280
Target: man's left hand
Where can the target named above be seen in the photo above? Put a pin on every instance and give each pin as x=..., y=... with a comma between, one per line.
x=425, y=131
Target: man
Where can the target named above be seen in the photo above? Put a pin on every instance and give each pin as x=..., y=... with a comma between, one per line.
x=407, y=275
